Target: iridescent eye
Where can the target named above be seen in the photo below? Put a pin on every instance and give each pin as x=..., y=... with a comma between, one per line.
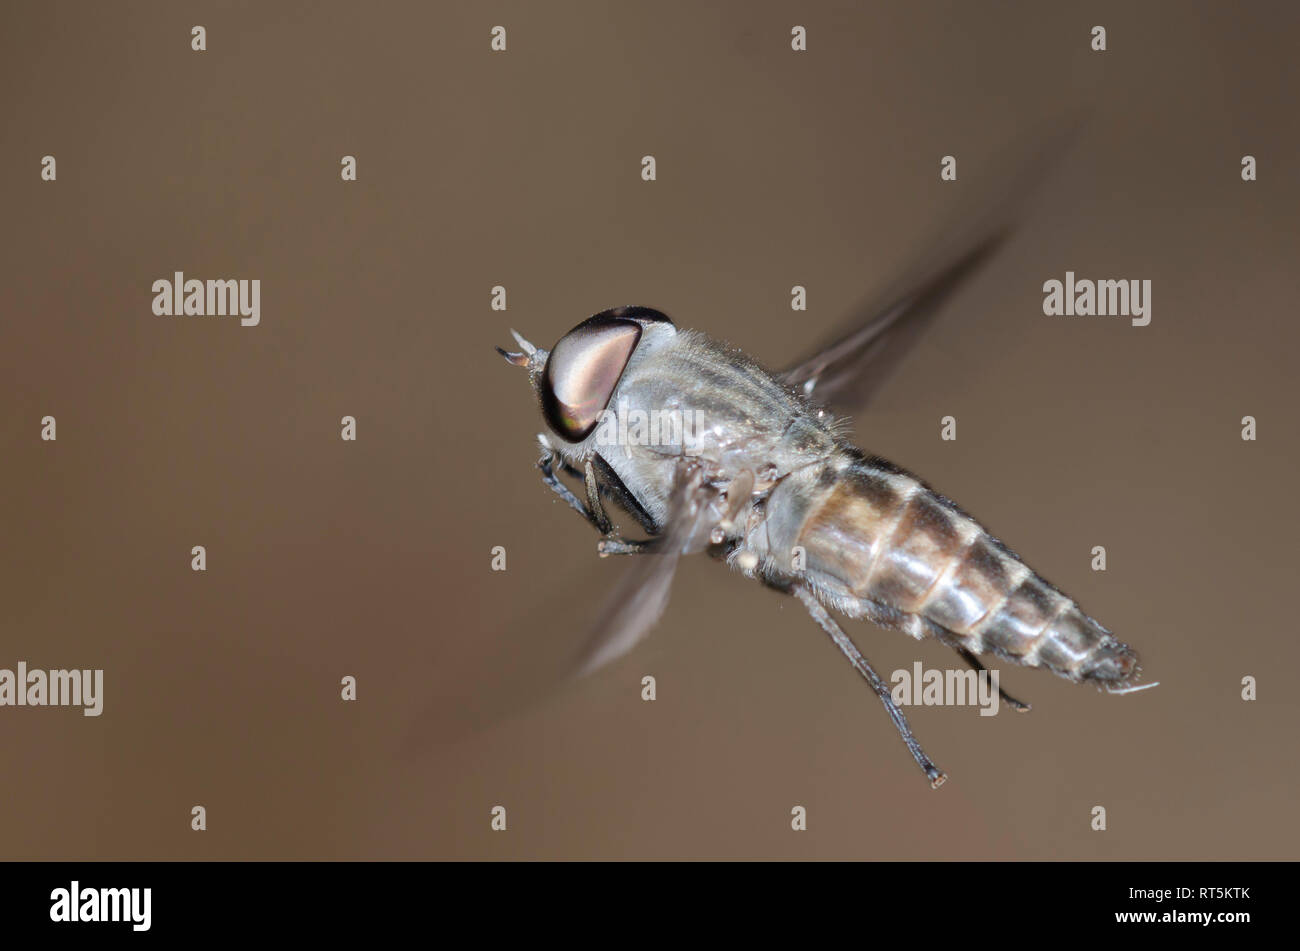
x=648, y=314
x=582, y=371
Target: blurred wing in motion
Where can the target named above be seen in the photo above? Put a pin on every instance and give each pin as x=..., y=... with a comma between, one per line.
x=848, y=371
x=845, y=373
x=638, y=600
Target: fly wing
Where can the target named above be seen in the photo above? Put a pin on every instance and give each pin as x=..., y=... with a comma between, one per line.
x=845, y=373
x=848, y=371
x=639, y=599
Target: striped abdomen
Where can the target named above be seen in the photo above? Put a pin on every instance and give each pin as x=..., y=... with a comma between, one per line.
x=878, y=536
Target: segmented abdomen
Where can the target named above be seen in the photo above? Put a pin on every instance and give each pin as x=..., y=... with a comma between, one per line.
x=875, y=533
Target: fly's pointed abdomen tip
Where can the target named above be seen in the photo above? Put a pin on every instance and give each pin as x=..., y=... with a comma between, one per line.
x=1110, y=663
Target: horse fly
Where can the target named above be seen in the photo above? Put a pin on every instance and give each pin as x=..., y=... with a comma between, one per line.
x=708, y=451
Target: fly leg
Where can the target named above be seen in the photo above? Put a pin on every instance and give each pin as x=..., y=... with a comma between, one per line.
x=624, y=546
x=593, y=510
x=1018, y=705
x=612, y=543
x=594, y=505
x=547, y=465
x=820, y=615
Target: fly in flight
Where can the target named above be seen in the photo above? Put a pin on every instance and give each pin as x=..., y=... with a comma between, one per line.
x=766, y=481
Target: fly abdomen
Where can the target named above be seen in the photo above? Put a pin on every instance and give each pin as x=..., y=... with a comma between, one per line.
x=882, y=544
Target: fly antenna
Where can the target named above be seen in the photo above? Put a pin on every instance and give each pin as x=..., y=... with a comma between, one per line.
x=527, y=347
x=515, y=359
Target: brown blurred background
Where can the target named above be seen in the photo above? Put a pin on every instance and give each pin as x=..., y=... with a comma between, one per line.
x=328, y=558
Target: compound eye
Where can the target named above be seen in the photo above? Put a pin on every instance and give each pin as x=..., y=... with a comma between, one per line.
x=582, y=371
x=645, y=314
